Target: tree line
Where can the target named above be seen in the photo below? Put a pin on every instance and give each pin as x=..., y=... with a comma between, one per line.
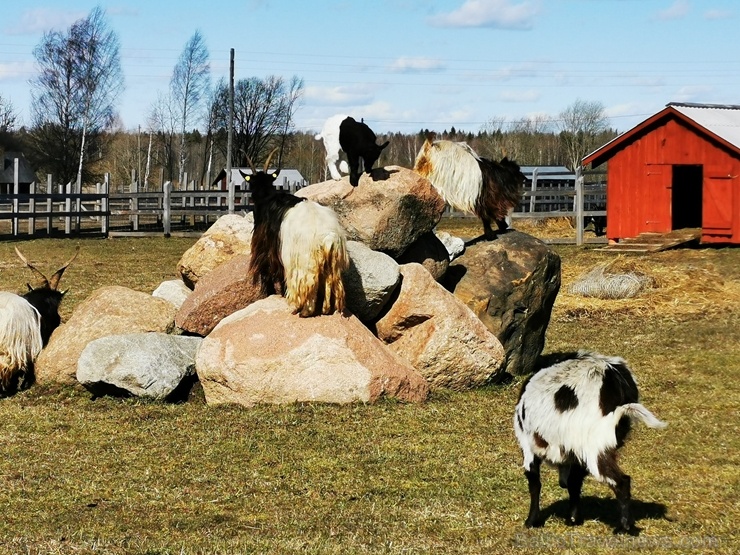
x=75, y=135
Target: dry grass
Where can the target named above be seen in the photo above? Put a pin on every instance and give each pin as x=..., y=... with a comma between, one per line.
x=123, y=476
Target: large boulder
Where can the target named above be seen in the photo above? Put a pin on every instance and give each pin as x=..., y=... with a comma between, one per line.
x=511, y=284
x=266, y=354
x=229, y=236
x=389, y=209
x=438, y=335
x=111, y=310
x=225, y=290
x=370, y=280
x=430, y=252
x=149, y=365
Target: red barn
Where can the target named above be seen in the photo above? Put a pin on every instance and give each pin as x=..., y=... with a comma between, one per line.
x=677, y=169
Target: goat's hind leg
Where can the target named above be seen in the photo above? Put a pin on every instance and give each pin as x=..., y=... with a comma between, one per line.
x=620, y=484
x=574, y=483
x=534, y=519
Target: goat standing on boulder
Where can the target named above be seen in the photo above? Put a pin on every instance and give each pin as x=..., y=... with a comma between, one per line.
x=356, y=139
x=575, y=415
x=298, y=247
x=467, y=182
x=26, y=324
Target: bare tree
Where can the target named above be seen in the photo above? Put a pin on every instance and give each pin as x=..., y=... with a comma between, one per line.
x=189, y=86
x=263, y=115
x=74, y=94
x=8, y=115
x=580, y=123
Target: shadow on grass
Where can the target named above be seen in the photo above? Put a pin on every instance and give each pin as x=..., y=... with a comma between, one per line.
x=607, y=511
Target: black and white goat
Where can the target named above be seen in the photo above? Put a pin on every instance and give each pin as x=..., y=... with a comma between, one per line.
x=26, y=324
x=298, y=249
x=356, y=139
x=467, y=182
x=575, y=415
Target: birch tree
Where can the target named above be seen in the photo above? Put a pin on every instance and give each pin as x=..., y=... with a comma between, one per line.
x=74, y=94
x=189, y=87
x=580, y=123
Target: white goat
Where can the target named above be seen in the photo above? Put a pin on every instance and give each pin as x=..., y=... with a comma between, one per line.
x=20, y=341
x=575, y=415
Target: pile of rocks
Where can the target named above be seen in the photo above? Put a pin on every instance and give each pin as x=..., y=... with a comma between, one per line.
x=424, y=311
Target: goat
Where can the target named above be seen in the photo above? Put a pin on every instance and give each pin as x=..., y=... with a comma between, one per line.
x=356, y=139
x=298, y=247
x=467, y=182
x=26, y=324
x=575, y=415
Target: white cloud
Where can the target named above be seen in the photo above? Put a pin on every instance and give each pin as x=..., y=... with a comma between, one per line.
x=38, y=20
x=718, y=14
x=16, y=70
x=416, y=65
x=694, y=93
x=338, y=96
x=677, y=10
x=498, y=14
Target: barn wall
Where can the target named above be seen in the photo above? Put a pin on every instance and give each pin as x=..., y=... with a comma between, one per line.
x=640, y=177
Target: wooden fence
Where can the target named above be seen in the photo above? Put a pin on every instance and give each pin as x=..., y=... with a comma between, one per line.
x=176, y=212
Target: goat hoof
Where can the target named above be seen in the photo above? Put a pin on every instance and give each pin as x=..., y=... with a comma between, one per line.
x=533, y=523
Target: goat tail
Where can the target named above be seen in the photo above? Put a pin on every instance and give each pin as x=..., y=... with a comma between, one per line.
x=314, y=254
x=636, y=411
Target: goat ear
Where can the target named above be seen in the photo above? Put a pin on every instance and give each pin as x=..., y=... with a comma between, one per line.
x=243, y=174
x=385, y=144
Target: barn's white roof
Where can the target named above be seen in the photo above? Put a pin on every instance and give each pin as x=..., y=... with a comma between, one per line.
x=722, y=120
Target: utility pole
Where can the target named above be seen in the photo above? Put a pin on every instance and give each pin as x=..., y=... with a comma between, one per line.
x=230, y=134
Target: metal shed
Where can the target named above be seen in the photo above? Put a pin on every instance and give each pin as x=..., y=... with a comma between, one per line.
x=677, y=169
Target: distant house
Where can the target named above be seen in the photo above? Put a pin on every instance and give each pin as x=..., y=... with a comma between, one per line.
x=289, y=180
x=26, y=175
x=680, y=168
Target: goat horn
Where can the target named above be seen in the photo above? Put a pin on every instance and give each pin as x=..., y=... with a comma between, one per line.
x=32, y=267
x=269, y=157
x=249, y=161
x=54, y=281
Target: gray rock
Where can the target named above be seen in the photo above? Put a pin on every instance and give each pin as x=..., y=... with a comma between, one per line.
x=150, y=365
x=455, y=245
x=370, y=280
x=174, y=291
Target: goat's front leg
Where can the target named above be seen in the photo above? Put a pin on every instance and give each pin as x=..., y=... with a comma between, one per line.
x=331, y=163
x=534, y=519
x=354, y=168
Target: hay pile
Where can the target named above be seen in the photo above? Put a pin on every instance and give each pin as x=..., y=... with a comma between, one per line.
x=677, y=283
x=603, y=282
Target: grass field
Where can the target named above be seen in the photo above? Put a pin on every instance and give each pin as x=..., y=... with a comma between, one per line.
x=82, y=476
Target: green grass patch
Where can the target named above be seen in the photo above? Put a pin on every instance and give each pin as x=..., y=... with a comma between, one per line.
x=83, y=476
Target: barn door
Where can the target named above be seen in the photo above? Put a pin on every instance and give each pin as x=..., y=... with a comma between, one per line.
x=686, y=196
x=654, y=207
x=719, y=187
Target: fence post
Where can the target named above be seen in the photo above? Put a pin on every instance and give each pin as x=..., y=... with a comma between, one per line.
x=49, y=203
x=135, y=204
x=166, y=204
x=104, y=206
x=232, y=192
x=578, y=200
x=16, y=178
x=68, y=210
x=32, y=209
x=533, y=198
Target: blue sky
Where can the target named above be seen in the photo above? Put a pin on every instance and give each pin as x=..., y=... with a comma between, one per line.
x=404, y=65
